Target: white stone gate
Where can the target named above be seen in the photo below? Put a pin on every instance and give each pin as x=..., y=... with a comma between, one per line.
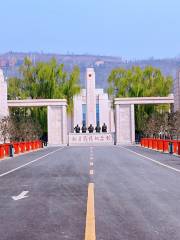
x=57, y=117
x=125, y=118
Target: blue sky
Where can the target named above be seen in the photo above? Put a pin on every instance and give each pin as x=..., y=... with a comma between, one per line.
x=133, y=29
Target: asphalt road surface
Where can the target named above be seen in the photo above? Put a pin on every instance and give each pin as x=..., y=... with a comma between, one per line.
x=43, y=195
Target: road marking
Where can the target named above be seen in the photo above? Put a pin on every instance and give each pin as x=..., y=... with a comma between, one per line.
x=91, y=158
x=24, y=165
x=20, y=196
x=91, y=172
x=91, y=163
x=90, y=231
x=153, y=160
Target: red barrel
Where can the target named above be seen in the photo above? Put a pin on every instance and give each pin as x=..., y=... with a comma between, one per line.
x=6, y=148
x=178, y=147
x=16, y=148
x=28, y=147
x=2, y=151
x=160, y=145
x=166, y=146
x=154, y=144
x=36, y=144
x=32, y=145
x=175, y=146
x=150, y=142
x=146, y=142
x=22, y=147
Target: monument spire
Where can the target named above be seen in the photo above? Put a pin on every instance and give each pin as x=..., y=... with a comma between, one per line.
x=90, y=96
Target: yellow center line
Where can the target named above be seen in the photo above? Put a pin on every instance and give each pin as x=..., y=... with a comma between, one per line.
x=90, y=232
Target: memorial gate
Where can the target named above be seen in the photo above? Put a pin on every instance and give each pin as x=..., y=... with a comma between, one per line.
x=92, y=106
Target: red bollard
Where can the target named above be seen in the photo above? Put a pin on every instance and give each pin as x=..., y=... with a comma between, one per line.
x=166, y=146
x=21, y=145
x=16, y=148
x=150, y=142
x=2, y=152
x=6, y=148
x=160, y=145
x=154, y=144
x=175, y=146
x=28, y=148
x=36, y=144
x=32, y=145
x=146, y=142
x=178, y=147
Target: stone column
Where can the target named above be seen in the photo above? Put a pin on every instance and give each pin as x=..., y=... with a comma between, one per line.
x=111, y=118
x=104, y=110
x=57, y=125
x=132, y=124
x=177, y=92
x=117, y=128
x=90, y=97
x=3, y=96
x=125, y=124
x=64, y=125
x=77, y=111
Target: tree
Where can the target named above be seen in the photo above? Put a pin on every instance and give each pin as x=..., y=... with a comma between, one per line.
x=46, y=80
x=177, y=123
x=137, y=82
x=5, y=128
x=71, y=88
x=162, y=125
x=13, y=128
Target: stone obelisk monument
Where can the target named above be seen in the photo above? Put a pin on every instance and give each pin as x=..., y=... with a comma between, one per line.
x=90, y=97
x=3, y=96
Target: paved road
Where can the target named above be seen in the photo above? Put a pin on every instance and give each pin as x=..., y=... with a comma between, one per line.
x=56, y=206
x=137, y=194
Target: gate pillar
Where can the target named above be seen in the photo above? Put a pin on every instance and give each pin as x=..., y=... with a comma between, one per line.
x=124, y=123
x=3, y=96
x=57, y=125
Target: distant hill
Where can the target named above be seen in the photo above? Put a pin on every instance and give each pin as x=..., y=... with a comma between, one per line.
x=103, y=65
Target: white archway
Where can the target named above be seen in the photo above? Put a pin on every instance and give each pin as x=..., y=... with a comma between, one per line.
x=125, y=119
x=57, y=117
